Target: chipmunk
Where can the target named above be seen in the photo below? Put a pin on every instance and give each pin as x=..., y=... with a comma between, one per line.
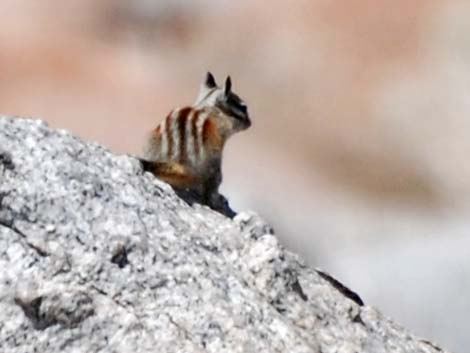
x=185, y=149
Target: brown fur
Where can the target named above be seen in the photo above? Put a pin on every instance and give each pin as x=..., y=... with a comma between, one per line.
x=211, y=136
x=173, y=173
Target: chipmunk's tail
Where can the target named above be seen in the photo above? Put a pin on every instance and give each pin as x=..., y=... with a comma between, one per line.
x=173, y=173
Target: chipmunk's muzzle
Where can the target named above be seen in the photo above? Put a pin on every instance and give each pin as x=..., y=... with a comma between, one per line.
x=246, y=122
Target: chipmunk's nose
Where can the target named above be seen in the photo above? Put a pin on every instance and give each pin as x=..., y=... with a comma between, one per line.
x=247, y=122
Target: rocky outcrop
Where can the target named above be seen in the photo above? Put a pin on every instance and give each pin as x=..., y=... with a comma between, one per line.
x=98, y=256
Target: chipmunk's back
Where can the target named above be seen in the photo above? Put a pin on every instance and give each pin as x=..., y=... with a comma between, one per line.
x=188, y=136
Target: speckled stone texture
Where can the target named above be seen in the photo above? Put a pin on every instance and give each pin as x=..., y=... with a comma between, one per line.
x=98, y=256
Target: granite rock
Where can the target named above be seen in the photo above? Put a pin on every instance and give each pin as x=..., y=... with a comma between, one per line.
x=98, y=256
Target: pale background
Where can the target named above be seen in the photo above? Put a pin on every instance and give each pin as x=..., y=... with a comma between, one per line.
x=359, y=150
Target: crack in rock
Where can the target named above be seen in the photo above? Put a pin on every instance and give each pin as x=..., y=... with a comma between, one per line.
x=120, y=256
x=348, y=293
x=41, y=252
x=6, y=161
x=67, y=309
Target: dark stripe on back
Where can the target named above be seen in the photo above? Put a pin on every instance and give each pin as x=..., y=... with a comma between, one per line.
x=194, y=134
x=182, y=119
x=206, y=130
x=169, y=135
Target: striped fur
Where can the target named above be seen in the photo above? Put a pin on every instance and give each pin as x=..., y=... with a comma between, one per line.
x=186, y=147
x=188, y=136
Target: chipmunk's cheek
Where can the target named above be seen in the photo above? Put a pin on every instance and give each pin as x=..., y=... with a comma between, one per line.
x=243, y=125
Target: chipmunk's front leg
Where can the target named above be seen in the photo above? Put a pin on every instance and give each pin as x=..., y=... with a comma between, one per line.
x=212, y=197
x=219, y=203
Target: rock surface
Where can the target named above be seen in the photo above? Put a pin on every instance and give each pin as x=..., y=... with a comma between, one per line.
x=97, y=256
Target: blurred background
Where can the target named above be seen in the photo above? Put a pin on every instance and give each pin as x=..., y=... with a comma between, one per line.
x=359, y=149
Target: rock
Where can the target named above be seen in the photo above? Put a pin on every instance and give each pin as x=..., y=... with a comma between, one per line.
x=98, y=256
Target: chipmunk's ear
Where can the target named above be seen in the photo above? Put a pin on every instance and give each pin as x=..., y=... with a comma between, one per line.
x=207, y=84
x=228, y=85
x=209, y=81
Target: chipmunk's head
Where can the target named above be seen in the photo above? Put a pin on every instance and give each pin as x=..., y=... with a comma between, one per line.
x=211, y=95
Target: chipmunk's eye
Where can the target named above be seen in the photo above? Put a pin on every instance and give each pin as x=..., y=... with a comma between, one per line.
x=237, y=105
x=241, y=107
